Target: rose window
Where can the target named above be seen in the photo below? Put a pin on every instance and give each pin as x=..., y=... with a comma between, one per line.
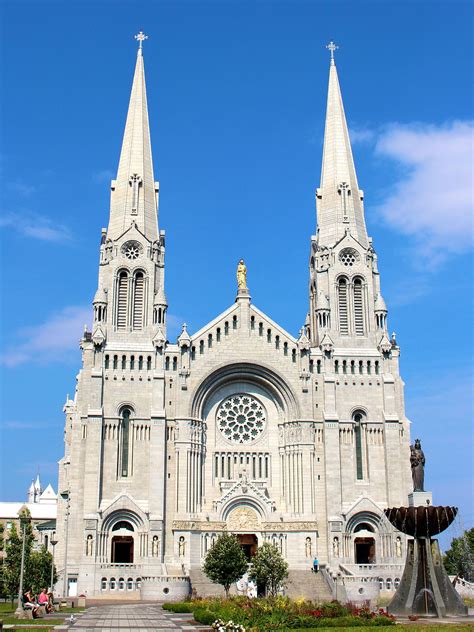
x=241, y=418
x=132, y=249
x=348, y=257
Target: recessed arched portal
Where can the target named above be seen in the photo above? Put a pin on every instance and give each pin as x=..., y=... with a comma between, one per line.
x=122, y=549
x=364, y=550
x=249, y=544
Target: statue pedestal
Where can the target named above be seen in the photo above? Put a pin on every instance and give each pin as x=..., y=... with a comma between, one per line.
x=420, y=499
x=425, y=588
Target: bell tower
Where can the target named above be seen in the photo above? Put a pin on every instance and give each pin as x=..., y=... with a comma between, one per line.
x=130, y=298
x=346, y=307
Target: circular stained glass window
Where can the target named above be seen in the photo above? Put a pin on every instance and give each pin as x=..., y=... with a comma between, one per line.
x=349, y=257
x=241, y=418
x=132, y=249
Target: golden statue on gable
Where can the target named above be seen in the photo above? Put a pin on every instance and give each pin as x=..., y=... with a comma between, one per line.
x=242, y=275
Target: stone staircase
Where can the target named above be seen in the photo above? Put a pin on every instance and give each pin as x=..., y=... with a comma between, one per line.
x=301, y=583
x=309, y=585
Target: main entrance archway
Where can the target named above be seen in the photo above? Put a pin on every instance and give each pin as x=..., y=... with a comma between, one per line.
x=249, y=544
x=364, y=550
x=122, y=549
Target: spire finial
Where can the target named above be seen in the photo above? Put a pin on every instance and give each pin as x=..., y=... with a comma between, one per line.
x=331, y=48
x=141, y=37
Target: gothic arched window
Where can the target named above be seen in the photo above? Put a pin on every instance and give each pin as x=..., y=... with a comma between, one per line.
x=358, y=290
x=122, y=300
x=358, y=418
x=124, y=443
x=138, y=300
x=343, y=305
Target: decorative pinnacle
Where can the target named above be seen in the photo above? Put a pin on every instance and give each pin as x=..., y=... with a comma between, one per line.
x=141, y=37
x=332, y=47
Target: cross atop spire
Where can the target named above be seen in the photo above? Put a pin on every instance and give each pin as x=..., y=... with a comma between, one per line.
x=339, y=199
x=134, y=191
x=141, y=37
x=331, y=48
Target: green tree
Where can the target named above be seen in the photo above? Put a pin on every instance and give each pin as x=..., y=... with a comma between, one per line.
x=225, y=561
x=39, y=570
x=2, y=547
x=268, y=568
x=13, y=549
x=459, y=558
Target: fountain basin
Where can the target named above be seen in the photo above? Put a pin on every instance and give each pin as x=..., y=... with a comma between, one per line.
x=421, y=522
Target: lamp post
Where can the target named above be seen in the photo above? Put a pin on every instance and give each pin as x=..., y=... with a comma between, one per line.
x=66, y=496
x=53, y=542
x=19, y=612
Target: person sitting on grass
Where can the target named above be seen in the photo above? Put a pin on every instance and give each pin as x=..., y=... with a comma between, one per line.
x=51, y=601
x=43, y=600
x=29, y=603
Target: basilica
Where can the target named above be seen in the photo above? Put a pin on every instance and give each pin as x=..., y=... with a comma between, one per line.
x=299, y=439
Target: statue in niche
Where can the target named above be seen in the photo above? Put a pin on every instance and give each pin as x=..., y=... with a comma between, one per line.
x=155, y=546
x=398, y=547
x=89, y=545
x=417, y=461
x=335, y=547
x=182, y=546
x=307, y=547
x=242, y=275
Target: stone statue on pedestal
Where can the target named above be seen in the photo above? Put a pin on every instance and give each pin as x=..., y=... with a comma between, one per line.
x=417, y=461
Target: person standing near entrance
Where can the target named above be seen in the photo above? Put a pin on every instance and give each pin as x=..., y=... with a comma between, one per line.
x=315, y=568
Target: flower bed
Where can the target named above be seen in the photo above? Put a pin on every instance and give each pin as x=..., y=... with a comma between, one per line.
x=280, y=613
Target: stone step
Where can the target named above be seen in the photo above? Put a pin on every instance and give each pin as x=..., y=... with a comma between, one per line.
x=308, y=585
x=300, y=584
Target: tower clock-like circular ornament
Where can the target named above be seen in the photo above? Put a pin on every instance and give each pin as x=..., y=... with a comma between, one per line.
x=132, y=249
x=241, y=418
x=348, y=257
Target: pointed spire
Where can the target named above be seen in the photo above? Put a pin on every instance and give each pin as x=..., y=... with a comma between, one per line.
x=134, y=192
x=339, y=199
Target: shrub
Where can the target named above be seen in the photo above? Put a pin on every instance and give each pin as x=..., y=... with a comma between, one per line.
x=268, y=568
x=179, y=606
x=225, y=561
x=206, y=617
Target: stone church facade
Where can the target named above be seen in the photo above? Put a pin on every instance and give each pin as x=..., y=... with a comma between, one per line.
x=241, y=426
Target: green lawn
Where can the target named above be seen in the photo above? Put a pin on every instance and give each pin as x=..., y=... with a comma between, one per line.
x=24, y=629
x=35, y=622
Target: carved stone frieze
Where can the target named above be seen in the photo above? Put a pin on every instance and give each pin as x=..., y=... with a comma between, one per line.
x=296, y=433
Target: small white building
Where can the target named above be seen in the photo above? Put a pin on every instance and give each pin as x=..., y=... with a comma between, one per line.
x=42, y=505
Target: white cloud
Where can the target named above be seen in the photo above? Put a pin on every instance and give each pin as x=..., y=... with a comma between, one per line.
x=433, y=200
x=34, y=225
x=51, y=341
x=105, y=175
x=359, y=135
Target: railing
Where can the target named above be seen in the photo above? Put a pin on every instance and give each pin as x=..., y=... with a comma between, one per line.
x=165, y=578
x=126, y=566
x=328, y=579
x=372, y=569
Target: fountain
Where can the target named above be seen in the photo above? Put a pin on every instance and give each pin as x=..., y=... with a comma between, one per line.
x=425, y=588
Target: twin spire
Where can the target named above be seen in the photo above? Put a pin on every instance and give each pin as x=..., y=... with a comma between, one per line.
x=339, y=200
x=135, y=194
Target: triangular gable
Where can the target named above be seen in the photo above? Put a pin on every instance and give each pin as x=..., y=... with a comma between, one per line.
x=272, y=323
x=222, y=316
x=133, y=227
x=350, y=239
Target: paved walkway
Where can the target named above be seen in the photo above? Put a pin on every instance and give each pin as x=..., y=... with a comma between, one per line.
x=138, y=618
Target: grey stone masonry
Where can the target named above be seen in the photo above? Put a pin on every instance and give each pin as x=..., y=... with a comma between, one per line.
x=300, y=441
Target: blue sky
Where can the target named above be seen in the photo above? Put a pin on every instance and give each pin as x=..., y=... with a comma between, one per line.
x=236, y=94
